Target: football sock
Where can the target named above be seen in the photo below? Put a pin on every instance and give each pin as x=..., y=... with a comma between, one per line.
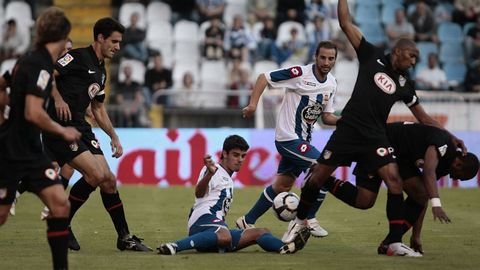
x=64, y=181
x=396, y=218
x=343, y=190
x=307, y=199
x=79, y=195
x=113, y=205
x=206, y=240
x=268, y=242
x=261, y=206
x=57, y=235
x=412, y=212
x=316, y=205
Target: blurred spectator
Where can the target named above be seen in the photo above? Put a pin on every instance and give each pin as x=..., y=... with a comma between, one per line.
x=158, y=78
x=472, y=41
x=214, y=35
x=442, y=12
x=465, y=11
x=291, y=50
x=423, y=23
x=210, y=8
x=186, y=96
x=262, y=9
x=238, y=40
x=319, y=32
x=316, y=8
x=290, y=10
x=134, y=41
x=400, y=28
x=234, y=71
x=268, y=35
x=432, y=77
x=182, y=10
x=14, y=42
x=129, y=97
x=242, y=83
x=472, y=79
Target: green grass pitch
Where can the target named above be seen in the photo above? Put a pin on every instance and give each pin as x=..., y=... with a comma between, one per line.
x=160, y=215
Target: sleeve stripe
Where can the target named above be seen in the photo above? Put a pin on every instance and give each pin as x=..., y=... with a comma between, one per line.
x=280, y=75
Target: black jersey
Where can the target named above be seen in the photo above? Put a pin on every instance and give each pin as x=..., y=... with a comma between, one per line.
x=82, y=78
x=377, y=88
x=32, y=75
x=411, y=141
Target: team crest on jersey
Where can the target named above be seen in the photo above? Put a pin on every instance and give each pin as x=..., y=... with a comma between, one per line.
x=419, y=163
x=295, y=72
x=65, y=60
x=43, y=79
x=382, y=151
x=384, y=82
x=95, y=144
x=327, y=154
x=402, y=80
x=3, y=193
x=442, y=150
x=51, y=174
x=311, y=113
x=73, y=147
x=93, y=90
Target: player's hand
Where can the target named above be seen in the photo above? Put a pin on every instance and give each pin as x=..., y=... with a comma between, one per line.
x=210, y=163
x=416, y=244
x=459, y=143
x=71, y=134
x=248, y=111
x=439, y=214
x=117, y=149
x=63, y=110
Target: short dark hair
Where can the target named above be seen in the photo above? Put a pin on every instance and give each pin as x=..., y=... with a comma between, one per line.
x=106, y=26
x=52, y=26
x=470, y=165
x=328, y=45
x=234, y=142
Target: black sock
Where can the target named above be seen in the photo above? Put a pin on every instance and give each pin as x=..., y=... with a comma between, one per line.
x=396, y=218
x=57, y=235
x=342, y=190
x=78, y=195
x=114, y=207
x=64, y=181
x=307, y=198
x=412, y=212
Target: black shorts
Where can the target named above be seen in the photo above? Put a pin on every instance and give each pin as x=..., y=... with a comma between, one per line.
x=64, y=152
x=344, y=147
x=35, y=175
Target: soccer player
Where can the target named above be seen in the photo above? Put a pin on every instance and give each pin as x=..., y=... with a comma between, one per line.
x=309, y=96
x=213, y=197
x=416, y=147
x=21, y=151
x=360, y=135
x=81, y=82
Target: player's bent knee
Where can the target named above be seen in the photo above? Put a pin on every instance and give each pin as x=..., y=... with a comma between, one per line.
x=60, y=209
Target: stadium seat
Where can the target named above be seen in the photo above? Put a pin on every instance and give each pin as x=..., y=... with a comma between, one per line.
x=367, y=14
x=451, y=52
x=160, y=38
x=455, y=73
x=368, y=3
x=283, y=33
x=158, y=11
x=21, y=12
x=126, y=11
x=373, y=32
x=450, y=32
x=388, y=12
x=185, y=31
x=425, y=48
x=181, y=68
x=138, y=70
x=346, y=74
x=261, y=67
x=213, y=75
x=186, y=51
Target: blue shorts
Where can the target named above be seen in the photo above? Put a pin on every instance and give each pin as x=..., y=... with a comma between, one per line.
x=212, y=223
x=296, y=156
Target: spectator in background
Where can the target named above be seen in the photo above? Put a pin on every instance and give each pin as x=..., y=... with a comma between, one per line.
x=400, y=28
x=182, y=10
x=234, y=71
x=134, y=46
x=472, y=79
x=242, y=83
x=316, y=8
x=472, y=42
x=208, y=9
x=129, y=98
x=267, y=37
x=238, y=40
x=292, y=49
x=319, y=32
x=290, y=10
x=465, y=11
x=262, y=9
x=186, y=96
x=432, y=77
x=213, y=45
x=158, y=79
x=442, y=12
x=14, y=41
x=423, y=23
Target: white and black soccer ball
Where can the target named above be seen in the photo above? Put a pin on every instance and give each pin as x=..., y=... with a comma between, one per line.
x=285, y=206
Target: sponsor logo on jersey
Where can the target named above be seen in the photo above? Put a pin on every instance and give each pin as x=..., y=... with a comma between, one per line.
x=73, y=147
x=402, y=80
x=95, y=144
x=309, y=83
x=65, y=60
x=380, y=62
x=93, y=90
x=43, y=79
x=295, y=72
x=91, y=71
x=384, y=82
x=327, y=154
x=311, y=113
x=3, y=193
x=442, y=150
x=304, y=147
x=382, y=151
x=51, y=174
x=419, y=163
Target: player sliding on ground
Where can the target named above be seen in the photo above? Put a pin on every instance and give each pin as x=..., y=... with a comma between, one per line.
x=214, y=192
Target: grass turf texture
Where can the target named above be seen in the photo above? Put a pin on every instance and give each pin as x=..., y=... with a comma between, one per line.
x=160, y=215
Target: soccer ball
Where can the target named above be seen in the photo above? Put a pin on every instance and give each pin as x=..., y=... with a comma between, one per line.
x=285, y=206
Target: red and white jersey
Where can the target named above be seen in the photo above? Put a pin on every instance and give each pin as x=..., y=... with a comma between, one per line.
x=306, y=98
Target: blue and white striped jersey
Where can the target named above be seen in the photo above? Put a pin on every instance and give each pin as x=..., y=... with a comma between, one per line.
x=306, y=98
x=218, y=198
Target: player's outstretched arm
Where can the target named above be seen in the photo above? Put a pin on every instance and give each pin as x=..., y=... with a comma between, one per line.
x=258, y=89
x=345, y=20
x=202, y=185
x=103, y=121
